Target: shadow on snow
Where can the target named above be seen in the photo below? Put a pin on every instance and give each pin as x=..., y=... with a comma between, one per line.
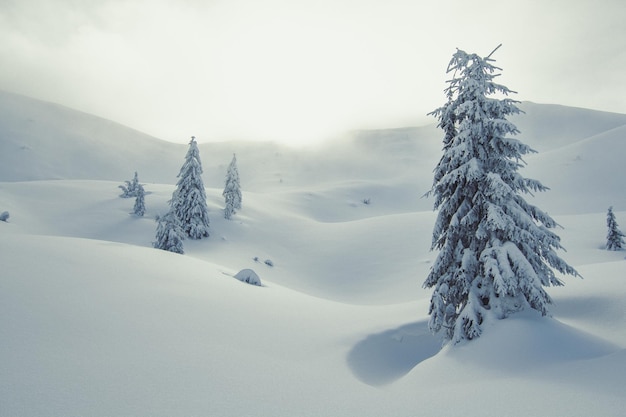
x=385, y=357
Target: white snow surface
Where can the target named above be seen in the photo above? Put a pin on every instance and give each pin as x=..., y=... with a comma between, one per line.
x=95, y=322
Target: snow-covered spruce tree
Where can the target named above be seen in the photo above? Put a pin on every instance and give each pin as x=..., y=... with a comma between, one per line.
x=169, y=234
x=130, y=189
x=232, y=190
x=189, y=199
x=140, y=203
x=614, y=237
x=496, y=252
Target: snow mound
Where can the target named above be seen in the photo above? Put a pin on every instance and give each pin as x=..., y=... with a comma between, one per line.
x=528, y=341
x=249, y=277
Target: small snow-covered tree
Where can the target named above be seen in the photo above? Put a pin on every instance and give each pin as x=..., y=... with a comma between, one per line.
x=169, y=234
x=140, y=204
x=614, y=237
x=4, y=216
x=130, y=189
x=496, y=251
x=189, y=199
x=232, y=190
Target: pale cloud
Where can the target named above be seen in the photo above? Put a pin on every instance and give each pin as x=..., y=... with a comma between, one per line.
x=301, y=70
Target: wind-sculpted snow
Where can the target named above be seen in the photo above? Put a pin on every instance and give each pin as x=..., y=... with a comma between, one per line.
x=95, y=322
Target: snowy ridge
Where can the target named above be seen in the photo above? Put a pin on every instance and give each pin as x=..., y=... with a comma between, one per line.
x=96, y=322
x=551, y=126
x=41, y=140
x=584, y=176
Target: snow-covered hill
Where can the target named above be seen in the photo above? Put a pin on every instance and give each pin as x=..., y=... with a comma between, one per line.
x=93, y=321
x=41, y=140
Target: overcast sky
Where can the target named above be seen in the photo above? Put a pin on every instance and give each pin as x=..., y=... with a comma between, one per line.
x=299, y=70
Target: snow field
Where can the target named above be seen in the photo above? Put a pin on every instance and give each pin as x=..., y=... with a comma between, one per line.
x=103, y=324
x=95, y=322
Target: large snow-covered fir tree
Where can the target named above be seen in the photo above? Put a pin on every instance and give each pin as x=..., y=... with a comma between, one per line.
x=232, y=190
x=614, y=237
x=189, y=199
x=169, y=234
x=496, y=251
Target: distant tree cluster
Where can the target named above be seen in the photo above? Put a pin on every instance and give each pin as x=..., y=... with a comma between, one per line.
x=188, y=216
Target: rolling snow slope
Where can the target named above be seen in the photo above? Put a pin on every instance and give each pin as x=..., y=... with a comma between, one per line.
x=93, y=321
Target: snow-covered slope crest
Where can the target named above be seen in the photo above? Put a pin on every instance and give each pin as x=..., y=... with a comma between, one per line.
x=41, y=140
x=551, y=126
x=585, y=176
